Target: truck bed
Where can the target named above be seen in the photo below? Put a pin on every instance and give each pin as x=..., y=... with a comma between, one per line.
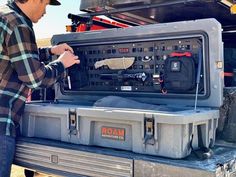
x=78, y=160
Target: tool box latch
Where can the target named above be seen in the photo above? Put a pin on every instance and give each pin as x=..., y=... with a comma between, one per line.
x=148, y=130
x=73, y=122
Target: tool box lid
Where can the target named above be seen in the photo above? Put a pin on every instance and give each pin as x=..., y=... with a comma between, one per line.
x=202, y=38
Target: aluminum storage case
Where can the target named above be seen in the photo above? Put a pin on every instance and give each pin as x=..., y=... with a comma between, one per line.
x=140, y=125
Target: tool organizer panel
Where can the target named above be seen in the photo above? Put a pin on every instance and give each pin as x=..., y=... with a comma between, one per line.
x=135, y=66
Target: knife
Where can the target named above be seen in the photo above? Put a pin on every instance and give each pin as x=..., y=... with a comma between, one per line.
x=116, y=63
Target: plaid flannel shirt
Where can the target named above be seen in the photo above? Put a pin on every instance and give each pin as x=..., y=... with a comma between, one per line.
x=20, y=67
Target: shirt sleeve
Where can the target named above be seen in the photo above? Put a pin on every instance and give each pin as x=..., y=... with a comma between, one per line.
x=24, y=57
x=45, y=55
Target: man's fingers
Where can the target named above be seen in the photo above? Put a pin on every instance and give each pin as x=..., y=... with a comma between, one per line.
x=77, y=61
x=76, y=57
x=69, y=48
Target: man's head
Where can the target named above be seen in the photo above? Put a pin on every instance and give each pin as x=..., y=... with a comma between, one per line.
x=35, y=9
x=52, y=2
x=55, y=3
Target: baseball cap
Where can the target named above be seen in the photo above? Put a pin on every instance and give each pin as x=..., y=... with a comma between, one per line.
x=55, y=3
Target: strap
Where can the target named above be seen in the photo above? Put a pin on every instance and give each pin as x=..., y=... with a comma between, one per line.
x=203, y=152
x=228, y=74
x=183, y=54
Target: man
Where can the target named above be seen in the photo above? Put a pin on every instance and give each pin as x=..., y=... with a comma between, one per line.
x=21, y=69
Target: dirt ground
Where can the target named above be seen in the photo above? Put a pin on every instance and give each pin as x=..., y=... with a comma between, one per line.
x=17, y=171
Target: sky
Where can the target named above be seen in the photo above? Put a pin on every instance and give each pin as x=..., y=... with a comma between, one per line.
x=55, y=19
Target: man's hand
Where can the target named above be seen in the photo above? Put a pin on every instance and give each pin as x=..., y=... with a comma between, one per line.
x=68, y=59
x=60, y=49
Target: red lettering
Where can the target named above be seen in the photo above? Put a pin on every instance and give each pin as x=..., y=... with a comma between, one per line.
x=109, y=131
x=104, y=130
x=121, y=132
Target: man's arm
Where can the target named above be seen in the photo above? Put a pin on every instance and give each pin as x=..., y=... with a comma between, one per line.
x=24, y=57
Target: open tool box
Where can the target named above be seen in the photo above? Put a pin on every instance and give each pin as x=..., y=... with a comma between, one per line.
x=153, y=89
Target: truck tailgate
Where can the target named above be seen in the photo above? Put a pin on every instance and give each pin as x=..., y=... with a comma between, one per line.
x=75, y=160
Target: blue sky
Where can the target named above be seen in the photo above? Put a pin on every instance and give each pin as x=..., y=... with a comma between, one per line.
x=55, y=20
